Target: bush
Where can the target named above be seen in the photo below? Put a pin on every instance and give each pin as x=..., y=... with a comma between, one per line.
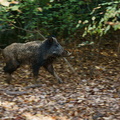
x=30, y=19
x=104, y=17
x=22, y=19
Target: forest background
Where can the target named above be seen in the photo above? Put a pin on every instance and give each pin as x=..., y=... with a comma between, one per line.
x=73, y=21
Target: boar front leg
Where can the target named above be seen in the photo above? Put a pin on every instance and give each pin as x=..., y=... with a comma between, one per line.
x=50, y=69
x=35, y=70
x=9, y=78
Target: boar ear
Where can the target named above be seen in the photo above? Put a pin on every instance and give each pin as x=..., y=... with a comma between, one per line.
x=50, y=39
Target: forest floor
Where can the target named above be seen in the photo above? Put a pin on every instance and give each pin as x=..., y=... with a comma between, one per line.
x=91, y=93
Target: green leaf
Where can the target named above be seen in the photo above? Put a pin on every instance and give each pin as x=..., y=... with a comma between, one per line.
x=77, y=25
x=51, y=0
x=4, y=2
x=107, y=28
x=14, y=8
x=93, y=18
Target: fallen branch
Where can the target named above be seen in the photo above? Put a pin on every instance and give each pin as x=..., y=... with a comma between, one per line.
x=73, y=70
x=16, y=92
x=33, y=86
x=22, y=92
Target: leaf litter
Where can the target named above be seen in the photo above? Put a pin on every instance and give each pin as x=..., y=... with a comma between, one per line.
x=91, y=94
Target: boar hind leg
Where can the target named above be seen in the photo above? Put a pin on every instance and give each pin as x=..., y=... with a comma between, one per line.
x=35, y=70
x=9, y=69
x=50, y=69
x=9, y=78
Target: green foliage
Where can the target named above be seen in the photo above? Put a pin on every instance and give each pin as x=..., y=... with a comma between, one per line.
x=104, y=18
x=60, y=18
x=24, y=20
x=18, y=17
x=47, y=16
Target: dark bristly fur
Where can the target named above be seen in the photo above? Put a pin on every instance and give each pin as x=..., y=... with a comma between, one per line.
x=35, y=53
